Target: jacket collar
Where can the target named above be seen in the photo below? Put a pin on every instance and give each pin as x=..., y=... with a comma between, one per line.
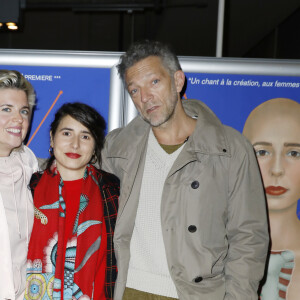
x=130, y=139
x=208, y=138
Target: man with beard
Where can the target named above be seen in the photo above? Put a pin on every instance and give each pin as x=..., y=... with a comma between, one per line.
x=192, y=221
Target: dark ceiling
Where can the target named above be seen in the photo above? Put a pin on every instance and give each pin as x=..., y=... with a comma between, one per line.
x=252, y=28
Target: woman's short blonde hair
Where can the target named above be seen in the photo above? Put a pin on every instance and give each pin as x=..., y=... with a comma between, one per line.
x=10, y=79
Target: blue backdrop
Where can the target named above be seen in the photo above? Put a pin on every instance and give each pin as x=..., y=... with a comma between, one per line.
x=58, y=85
x=233, y=97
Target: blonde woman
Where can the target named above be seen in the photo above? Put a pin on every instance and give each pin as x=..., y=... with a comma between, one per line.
x=17, y=163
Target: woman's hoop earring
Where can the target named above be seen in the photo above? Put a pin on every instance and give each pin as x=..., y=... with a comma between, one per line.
x=93, y=159
x=51, y=151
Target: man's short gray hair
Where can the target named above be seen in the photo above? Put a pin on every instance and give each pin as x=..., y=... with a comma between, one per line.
x=143, y=49
x=15, y=80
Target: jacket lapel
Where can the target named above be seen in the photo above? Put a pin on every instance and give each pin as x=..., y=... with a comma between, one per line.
x=131, y=148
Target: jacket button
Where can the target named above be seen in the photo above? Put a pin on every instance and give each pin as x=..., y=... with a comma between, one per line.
x=192, y=228
x=195, y=184
x=198, y=279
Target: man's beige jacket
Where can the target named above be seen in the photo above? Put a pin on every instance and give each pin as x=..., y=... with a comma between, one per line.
x=213, y=209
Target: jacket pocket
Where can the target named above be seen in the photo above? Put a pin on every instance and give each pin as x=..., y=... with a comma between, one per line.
x=210, y=287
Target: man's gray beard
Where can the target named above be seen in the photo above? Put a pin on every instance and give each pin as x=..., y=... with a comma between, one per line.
x=169, y=116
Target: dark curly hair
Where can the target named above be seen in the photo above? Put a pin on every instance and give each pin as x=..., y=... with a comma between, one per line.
x=143, y=49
